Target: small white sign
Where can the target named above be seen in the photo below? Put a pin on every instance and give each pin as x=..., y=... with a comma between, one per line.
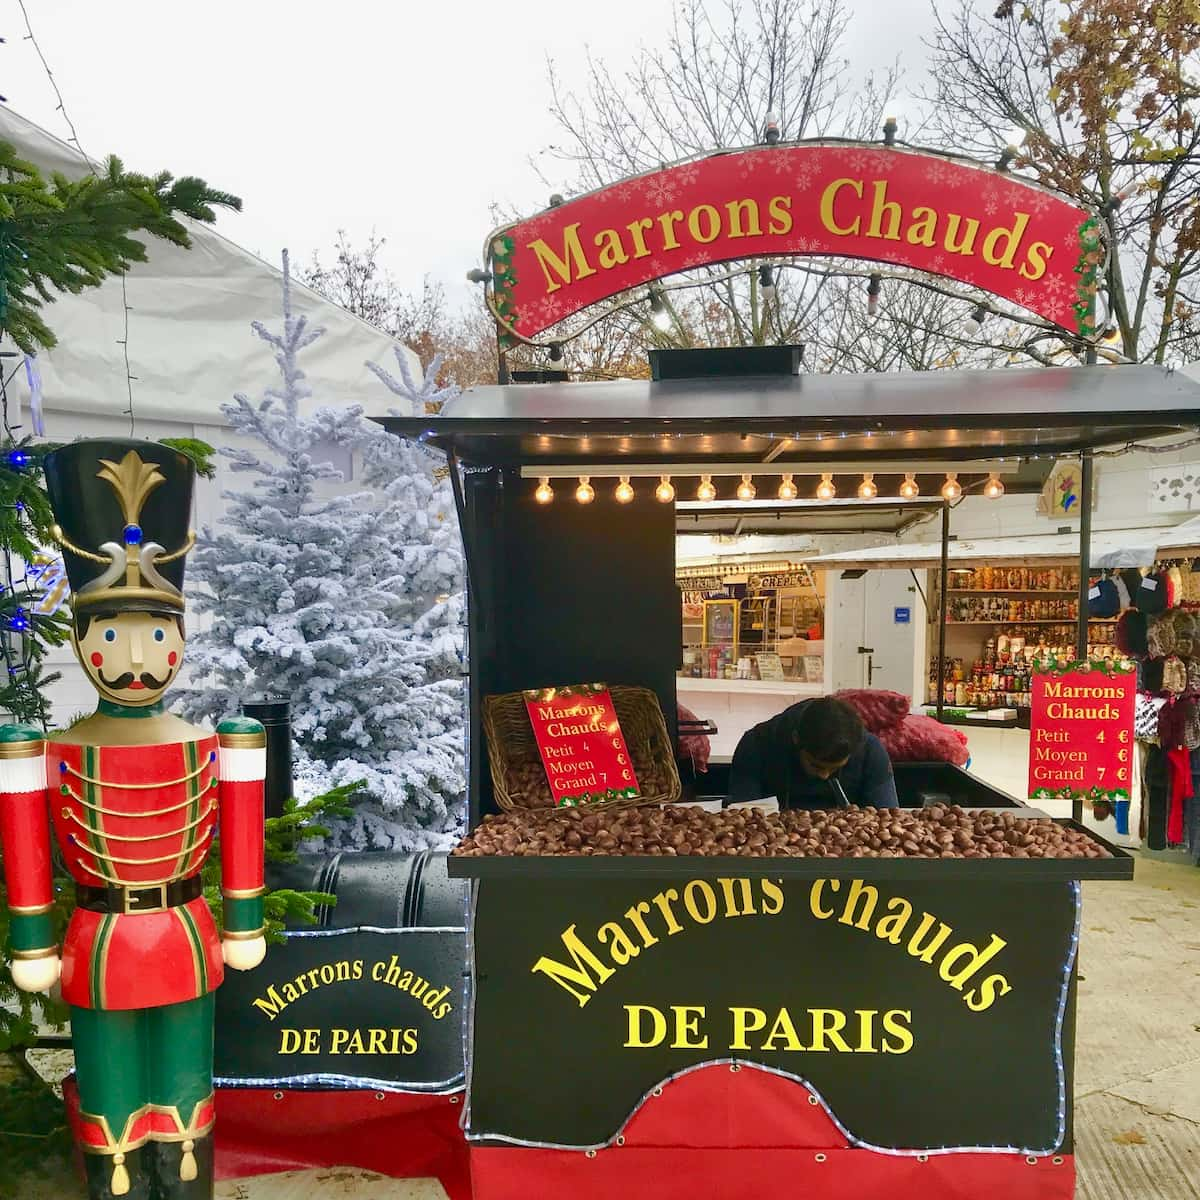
x=1174, y=489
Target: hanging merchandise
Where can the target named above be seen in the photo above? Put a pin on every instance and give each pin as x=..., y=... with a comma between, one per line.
x=1131, y=634
x=1145, y=718
x=1160, y=636
x=1174, y=586
x=1151, y=595
x=1103, y=599
x=1174, y=675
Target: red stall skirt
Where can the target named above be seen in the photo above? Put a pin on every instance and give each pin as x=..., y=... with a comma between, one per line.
x=712, y=1134
x=751, y=1135
x=407, y=1135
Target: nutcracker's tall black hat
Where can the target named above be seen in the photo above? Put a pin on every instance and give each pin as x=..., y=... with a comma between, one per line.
x=123, y=510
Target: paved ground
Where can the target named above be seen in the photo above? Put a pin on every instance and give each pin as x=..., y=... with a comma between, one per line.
x=1137, y=1077
x=1137, y=1085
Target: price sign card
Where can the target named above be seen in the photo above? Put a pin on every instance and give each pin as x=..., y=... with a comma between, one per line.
x=582, y=747
x=1081, y=732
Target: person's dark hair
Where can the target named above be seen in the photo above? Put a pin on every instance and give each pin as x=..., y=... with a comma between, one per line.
x=830, y=730
x=83, y=621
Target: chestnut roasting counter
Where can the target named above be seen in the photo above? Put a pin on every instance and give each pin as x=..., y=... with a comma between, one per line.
x=688, y=1027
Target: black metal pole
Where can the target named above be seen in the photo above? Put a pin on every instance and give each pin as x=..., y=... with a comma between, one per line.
x=275, y=713
x=501, y=357
x=942, y=604
x=464, y=533
x=1085, y=555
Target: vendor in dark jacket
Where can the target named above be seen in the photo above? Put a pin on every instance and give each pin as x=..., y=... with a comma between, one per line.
x=816, y=754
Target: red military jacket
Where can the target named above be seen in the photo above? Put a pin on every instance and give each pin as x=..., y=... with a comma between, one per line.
x=138, y=817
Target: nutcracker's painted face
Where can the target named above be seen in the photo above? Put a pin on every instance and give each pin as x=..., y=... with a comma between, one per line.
x=130, y=657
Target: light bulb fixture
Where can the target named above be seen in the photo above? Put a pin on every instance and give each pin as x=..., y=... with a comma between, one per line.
x=544, y=493
x=910, y=489
x=746, y=489
x=665, y=492
x=787, y=489
x=585, y=493
x=974, y=323
x=706, y=490
x=1111, y=336
x=868, y=489
x=826, y=490
x=623, y=493
x=766, y=280
x=889, y=131
x=1014, y=139
x=874, y=287
x=771, y=129
x=660, y=317
x=951, y=489
x=993, y=489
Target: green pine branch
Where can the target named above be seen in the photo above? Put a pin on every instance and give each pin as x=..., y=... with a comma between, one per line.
x=65, y=235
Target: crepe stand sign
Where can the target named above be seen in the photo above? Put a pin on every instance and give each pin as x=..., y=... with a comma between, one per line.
x=581, y=744
x=1081, y=732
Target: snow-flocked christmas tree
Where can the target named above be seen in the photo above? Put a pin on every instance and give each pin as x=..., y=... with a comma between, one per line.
x=421, y=536
x=332, y=601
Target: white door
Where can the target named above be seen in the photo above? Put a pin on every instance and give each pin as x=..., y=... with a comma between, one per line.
x=878, y=632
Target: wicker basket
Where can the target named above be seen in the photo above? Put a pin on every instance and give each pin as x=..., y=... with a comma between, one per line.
x=519, y=778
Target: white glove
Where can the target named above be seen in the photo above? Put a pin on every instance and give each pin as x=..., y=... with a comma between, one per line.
x=244, y=954
x=36, y=974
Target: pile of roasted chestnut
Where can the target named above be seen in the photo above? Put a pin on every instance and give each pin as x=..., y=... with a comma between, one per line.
x=936, y=832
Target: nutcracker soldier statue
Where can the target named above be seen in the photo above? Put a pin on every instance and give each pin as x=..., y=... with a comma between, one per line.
x=135, y=794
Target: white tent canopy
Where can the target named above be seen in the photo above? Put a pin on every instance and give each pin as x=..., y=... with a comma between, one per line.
x=189, y=338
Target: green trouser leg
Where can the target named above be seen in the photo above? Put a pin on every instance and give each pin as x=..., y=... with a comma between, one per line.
x=126, y=1061
x=180, y=1039
x=112, y=1073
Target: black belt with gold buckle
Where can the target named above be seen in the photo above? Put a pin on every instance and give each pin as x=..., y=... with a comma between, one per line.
x=138, y=900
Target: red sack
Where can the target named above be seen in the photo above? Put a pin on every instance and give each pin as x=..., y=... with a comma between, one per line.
x=922, y=739
x=695, y=746
x=879, y=709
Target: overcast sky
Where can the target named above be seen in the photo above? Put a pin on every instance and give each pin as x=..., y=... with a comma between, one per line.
x=409, y=117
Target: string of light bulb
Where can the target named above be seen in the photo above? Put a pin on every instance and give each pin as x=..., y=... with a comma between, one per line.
x=826, y=489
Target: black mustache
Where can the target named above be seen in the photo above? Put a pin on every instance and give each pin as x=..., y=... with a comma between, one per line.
x=123, y=681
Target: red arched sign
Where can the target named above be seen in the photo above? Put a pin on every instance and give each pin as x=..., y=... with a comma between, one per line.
x=979, y=226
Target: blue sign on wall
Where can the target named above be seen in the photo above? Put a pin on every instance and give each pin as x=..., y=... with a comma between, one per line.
x=902, y=616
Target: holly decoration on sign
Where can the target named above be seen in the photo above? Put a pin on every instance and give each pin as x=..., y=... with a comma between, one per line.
x=504, y=279
x=1105, y=666
x=1088, y=269
x=1092, y=796
x=608, y=795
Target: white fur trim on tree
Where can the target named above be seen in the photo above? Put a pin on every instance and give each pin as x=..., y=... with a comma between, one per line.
x=239, y=765
x=23, y=774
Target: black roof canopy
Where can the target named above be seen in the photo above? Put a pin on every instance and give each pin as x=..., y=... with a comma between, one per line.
x=898, y=416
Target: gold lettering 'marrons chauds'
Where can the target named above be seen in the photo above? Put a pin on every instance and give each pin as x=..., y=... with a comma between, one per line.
x=591, y=962
x=847, y=207
x=391, y=974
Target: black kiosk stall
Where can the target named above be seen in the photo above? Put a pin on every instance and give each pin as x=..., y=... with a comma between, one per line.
x=683, y=1025
x=750, y=1026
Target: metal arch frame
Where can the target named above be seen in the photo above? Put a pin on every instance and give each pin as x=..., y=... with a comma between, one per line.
x=539, y=342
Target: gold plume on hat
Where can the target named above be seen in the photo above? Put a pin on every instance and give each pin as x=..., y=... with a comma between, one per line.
x=132, y=480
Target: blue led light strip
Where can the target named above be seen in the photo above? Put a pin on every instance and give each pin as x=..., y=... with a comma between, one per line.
x=348, y=1083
